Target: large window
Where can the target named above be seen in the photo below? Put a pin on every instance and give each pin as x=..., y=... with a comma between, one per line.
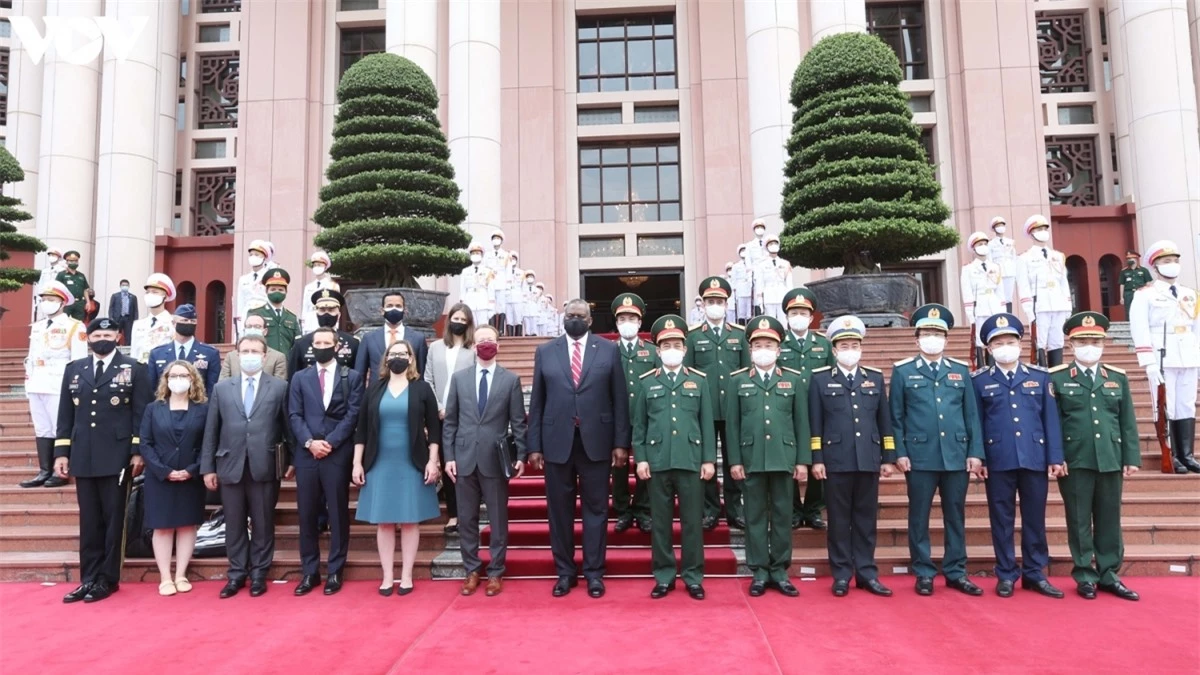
x=627, y=54
x=3, y=86
x=359, y=42
x=1063, y=52
x=629, y=182
x=902, y=27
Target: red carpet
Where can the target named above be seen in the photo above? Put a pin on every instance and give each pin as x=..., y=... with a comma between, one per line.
x=525, y=630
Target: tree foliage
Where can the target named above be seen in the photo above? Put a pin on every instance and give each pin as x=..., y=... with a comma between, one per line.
x=390, y=212
x=859, y=189
x=11, y=214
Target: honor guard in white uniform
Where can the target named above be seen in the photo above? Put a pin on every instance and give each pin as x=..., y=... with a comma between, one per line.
x=320, y=264
x=774, y=279
x=1165, y=325
x=54, y=265
x=982, y=288
x=496, y=261
x=742, y=280
x=513, y=301
x=696, y=314
x=756, y=248
x=730, y=307
x=1043, y=289
x=475, y=286
x=157, y=327
x=251, y=294
x=529, y=306
x=54, y=341
x=1002, y=251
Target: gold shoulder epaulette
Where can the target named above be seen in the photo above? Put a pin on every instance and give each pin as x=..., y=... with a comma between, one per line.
x=739, y=371
x=652, y=371
x=695, y=326
x=1114, y=368
x=821, y=369
x=958, y=361
x=1061, y=366
x=873, y=370
x=793, y=371
x=696, y=371
x=904, y=361
x=736, y=325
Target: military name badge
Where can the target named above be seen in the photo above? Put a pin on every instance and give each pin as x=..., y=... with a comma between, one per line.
x=954, y=376
x=867, y=384
x=732, y=340
x=1112, y=385
x=1028, y=384
x=747, y=385
x=643, y=352
x=834, y=385
x=74, y=386
x=784, y=385
x=991, y=386
x=688, y=384
x=116, y=400
x=655, y=386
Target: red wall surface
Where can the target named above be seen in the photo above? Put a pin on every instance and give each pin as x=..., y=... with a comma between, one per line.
x=14, y=324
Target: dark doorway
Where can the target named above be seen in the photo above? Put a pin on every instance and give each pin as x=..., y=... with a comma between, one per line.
x=1110, y=288
x=661, y=289
x=213, y=313
x=1077, y=278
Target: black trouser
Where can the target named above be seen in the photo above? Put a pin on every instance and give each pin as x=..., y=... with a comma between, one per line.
x=588, y=480
x=101, y=524
x=809, y=507
x=732, y=488
x=324, y=485
x=126, y=325
x=852, y=499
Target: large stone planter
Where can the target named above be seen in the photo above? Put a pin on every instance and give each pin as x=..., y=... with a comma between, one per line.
x=880, y=300
x=422, y=308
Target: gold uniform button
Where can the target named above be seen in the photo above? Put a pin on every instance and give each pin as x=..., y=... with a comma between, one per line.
x=93, y=413
x=672, y=405
x=93, y=425
x=674, y=432
x=856, y=406
x=856, y=420
x=673, y=419
x=631, y=396
x=939, y=400
x=766, y=407
x=853, y=393
x=1012, y=393
x=858, y=433
x=1093, y=396
x=1014, y=405
x=1094, y=409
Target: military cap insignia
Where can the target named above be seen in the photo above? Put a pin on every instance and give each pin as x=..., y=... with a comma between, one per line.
x=935, y=313
x=325, y=293
x=847, y=323
x=714, y=284
x=668, y=324
x=628, y=301
x=1001, y=322
x=1088, y=322
x=764, y=324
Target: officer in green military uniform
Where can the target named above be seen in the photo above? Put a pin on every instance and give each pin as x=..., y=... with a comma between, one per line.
x=939, y=444
x=282, y=325
x=805, y=350
x=638, y=357
x=717, y=348
x=675, y=448
x=766, y=417
x=77, y=283
x=1133, y=277
x=1100, y=445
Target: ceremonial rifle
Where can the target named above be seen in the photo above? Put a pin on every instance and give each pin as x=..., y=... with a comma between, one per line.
x=1160, y=410
x=1038, y=355
x=974, y=350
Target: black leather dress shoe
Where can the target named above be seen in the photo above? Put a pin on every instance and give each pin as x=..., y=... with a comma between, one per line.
x=257, y=587
x=661, y=590
x=644, y=524
x=44, y=475
x=816, y=523
x=99, y=591
x=232, y=587
x=78, y=594
x=624, y=522
x=307, y=583
x=1120, y=590
x=841, y=587
x=333, y=584
x=873, y=586
x=757, y=588
x=738, y=522
x=964, y=585
x=55, y=481
x=595, y=588
x=564, y=586
x=797, y=523
x=1044, y=587
x=924, y=586
x=1004, y=588
x=696, y=591
x=1086, y=590
x=709, y=523
x=787, y=588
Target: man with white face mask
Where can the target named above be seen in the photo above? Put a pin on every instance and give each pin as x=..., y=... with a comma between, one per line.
x=530, y=310
x=1043, y=289
x=935, y=419
x=251, y=293
x=772, y=279
x=1165, y=324
x=320, y=263
x=1022, y=447
x=1100, y=444
x=1002, y=252
x=474, y=286
x=157, y=327
x=741, y=277
x=637, y=358
x=497, y=260
x=756, y=248
x=982, y=289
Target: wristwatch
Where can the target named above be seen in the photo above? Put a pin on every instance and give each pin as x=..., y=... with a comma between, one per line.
x=308, y=444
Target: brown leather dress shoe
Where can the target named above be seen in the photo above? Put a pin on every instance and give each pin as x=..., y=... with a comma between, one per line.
x=494, y=586
x=472, y=583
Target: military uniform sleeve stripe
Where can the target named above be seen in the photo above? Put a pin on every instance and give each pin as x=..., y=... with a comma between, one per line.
x=816, y=442
x=136, y=441
x=889, y=443
x=62, y=442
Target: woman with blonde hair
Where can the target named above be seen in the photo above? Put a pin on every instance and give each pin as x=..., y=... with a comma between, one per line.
x=172, y=435
x=396, y=461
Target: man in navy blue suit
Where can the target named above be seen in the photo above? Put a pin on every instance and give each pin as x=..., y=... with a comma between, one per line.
x=374, y=345
x=1023, y=449
x=185, y=347
x=578, y=429
x=323, y=403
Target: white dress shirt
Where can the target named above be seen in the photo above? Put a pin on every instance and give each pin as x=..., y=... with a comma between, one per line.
x=330, y=377
x=848, y=373
x=107, y=361
x=187, y=346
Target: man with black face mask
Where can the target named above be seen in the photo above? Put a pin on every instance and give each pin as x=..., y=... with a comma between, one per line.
x=99, y=412
x=327, y=304
x=376, y=342
x=185, y=347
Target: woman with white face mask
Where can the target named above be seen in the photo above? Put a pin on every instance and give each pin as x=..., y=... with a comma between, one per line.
x=1044, y=290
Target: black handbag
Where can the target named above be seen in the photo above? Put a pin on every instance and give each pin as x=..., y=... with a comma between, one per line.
x=506, y=451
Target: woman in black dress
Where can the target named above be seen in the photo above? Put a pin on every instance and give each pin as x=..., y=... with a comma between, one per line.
x=172, y=435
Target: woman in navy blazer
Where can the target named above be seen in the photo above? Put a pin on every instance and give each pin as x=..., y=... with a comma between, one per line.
x=172, y=435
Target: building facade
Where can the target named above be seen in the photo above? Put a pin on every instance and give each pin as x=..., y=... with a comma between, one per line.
x=620, y=144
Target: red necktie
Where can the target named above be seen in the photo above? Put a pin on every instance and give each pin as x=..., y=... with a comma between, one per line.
x=576, y=365
x=321, y=379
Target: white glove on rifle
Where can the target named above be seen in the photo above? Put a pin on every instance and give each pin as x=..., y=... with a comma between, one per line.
x=1155, y=376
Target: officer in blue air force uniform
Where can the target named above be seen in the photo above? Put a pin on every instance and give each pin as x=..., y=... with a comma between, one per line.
x=938, y=440
x=1023, y=448
x=185, y=347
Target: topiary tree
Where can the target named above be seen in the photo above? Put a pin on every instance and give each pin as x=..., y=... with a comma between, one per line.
x=390, y=211
x=860, y=190
x=11, y=213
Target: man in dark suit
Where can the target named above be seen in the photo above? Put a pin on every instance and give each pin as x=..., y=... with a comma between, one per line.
x=185, y=347
x=245, y=430
x=327, y=304
x=323, y=403
x=123, y=308
x=100, y=409
x=483, y=406
x=374, y=344
x=579, y=427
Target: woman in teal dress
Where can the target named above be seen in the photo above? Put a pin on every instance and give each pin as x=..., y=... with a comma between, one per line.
x=396, y=461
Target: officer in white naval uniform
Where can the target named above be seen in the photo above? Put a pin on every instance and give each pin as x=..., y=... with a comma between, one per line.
x=157, y=327
x=982, y=290
x=742, y=280
x=1043, y=288
x=320, y=263
x=1002, y=251
x=475, y=286
x=54, y=265
x=773, y=279
x=496, y=261
x=251, y=294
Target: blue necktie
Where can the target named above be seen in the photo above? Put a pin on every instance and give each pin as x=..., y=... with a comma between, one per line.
x=248, y=402
x=483, y=392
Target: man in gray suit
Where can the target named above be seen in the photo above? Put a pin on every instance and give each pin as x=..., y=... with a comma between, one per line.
x=247, y=424
x=484, y=403
x=274, y=364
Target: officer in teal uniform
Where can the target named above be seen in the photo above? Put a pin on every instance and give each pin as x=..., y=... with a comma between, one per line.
x=637, y=358
x=935, y=422
x=805, y=350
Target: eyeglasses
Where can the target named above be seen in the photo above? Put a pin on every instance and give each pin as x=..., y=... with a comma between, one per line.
x=180, y=377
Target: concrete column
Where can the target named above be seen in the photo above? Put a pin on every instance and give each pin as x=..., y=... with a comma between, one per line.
x=1165, y=143
x=130, y=136
x=1120, y=88
x=25, y=112
x=474, y=119
x=1194, y=18
x=168, y=109
x=773, y=46
x=412, y=32
x=830, y=17
x=67, y=151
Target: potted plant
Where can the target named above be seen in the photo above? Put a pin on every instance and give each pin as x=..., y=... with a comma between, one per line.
x=390, y=212
x=859, y=189
x=11, y=213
